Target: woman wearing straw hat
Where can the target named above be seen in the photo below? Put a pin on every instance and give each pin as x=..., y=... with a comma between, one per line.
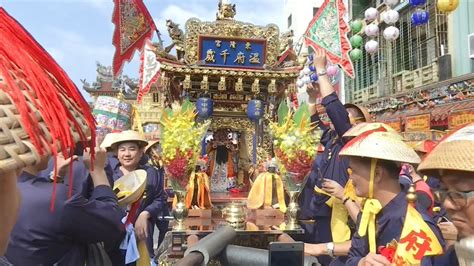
x=375, y=159
x=452, y=161
x=129, y=147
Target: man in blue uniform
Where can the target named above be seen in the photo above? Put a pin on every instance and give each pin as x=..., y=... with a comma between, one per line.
x=328, y=165
x=375, y=163
x=129, y=148
x=61, y=237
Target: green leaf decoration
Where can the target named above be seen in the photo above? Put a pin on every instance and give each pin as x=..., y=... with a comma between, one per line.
x=187, y=105
x=302, y=114
x=283, y=111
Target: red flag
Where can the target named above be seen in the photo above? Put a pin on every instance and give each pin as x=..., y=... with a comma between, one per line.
x=133, y=26
x=328, y=30
x=149, y=70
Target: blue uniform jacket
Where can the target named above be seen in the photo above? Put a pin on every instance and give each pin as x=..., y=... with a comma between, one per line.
x=329, y=165
x=42, y=237
x=389, y=226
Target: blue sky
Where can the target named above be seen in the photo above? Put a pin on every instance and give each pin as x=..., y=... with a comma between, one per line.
x=77, y=33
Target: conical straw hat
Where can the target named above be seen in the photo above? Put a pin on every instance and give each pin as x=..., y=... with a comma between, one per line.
x=151, y=144
x=454, y=152
x=130, y=187
x=129, y=136
x=364, y=111
x=380, y=145
x=358, y=129
x=109, y=139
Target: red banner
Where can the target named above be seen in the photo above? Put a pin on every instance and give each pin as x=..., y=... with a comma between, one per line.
x=461, y=118
x=418, y=122
x=133, y=26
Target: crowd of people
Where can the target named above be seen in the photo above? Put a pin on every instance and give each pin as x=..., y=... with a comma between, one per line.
x=366, y=170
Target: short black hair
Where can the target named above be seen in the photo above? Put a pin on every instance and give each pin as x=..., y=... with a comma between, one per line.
x=393, y=168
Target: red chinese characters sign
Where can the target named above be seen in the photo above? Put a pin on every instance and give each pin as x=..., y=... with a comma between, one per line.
x=417, y=122
x=461, y=118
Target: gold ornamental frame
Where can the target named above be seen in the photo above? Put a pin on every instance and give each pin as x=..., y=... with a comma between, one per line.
x=229, y=29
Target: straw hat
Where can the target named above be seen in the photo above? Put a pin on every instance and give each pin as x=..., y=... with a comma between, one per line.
x=109, y=139
x=423, y=146
x=454, y=152
x=130, y=187
x=361, y=109
x=128, y=136
x=381, y=145
x=151, y=144
x=358, y=129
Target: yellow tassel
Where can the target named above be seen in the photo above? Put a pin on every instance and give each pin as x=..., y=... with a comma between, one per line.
x=144, y=259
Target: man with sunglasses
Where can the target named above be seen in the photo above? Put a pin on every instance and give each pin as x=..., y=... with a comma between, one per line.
x=452, y=161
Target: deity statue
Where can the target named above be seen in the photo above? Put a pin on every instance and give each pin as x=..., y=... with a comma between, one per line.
x=177, y=38
x=223, y=155
x=226, y=10
x=199, y=194
x=267, y=190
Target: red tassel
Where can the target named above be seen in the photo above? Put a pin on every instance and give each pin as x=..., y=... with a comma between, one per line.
x=21, y=55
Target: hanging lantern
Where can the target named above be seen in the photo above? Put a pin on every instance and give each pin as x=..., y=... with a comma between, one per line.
x=356, y=41
x=371, y=30
x=356, y=26
x=204, y=107
x=447, y=5
x=371, y=14
x=254, y=109
x=391, y=16
x=355, y=54
x=332, y=70
x=420, y=17
x=391, y=33
x=417, y=2
x=371, y=46
x=391, y=3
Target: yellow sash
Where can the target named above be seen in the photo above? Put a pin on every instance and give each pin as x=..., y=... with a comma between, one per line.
x=262, y=190
x=370, y=210
x=340, y=231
